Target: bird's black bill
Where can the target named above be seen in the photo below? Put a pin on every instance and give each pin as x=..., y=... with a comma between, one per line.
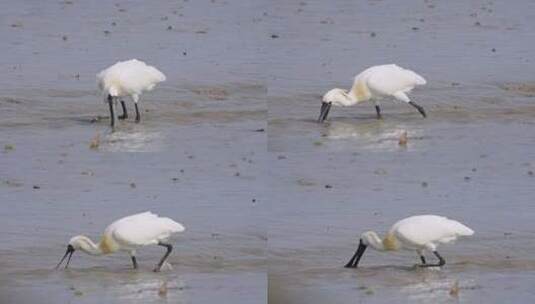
x=356, y=257
x=325, y=108
x=69, y=252
x=419, y=108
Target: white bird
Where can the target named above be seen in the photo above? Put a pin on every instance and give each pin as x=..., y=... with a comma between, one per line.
x=420, y=233
x=127, y=78
x=375, y=83
x=128, y=234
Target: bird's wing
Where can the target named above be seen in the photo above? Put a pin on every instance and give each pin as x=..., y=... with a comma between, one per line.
x=390, y=79
x=139, y=76
x=144, y=229
x=424, y=229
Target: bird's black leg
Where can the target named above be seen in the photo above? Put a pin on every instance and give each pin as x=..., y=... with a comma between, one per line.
x=422, y=258
x=378, y=110
x=134, y=262
x=418, y=107
x=441, y=261
x=125, y=114
x=112, y=115
x=169, y=249
x=138, y=116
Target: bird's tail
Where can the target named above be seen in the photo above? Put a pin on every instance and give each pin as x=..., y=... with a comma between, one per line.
x=419, y=80
x=462, y=230
x=156, y=75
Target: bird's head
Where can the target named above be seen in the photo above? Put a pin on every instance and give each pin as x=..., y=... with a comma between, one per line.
x=337, y=97
x=78, y=242
x=368, y=237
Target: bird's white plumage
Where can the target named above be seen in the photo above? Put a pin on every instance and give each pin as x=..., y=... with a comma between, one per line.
x=127, y=234
x=427, y=231
x=377, y=82
x=129, y=78
x=385, y=80
x=142, y=229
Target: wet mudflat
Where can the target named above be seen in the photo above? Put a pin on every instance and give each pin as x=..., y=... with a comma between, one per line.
x=196, y=156
x=470, y=160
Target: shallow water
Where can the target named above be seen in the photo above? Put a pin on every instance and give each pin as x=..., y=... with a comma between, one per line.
x=195, y=157
x=273, y=202
x=469, y=160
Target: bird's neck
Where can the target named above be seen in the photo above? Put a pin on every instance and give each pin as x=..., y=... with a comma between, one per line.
x=349, y=99
x=389, y=242
x=375, y=242
x=90, y=247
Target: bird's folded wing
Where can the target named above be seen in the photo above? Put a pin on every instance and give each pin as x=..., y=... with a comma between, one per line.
x=146, y=231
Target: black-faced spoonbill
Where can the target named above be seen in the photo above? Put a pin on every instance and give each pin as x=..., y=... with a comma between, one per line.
x=128, y=234
x=420, y=233
x=375, y=83
x=127, y=78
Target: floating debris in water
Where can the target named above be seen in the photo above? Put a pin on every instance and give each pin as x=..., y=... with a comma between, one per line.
x=380, y=172
x=95, y=142
x=274, y=36
x=95, y=119
x=162, y=291
x=530, y=173
x=403, y=139
x=328, y=186
x=9, y=147
x=36, y=187
x=454, y=290
x=133, y=185
x=373, y=34
x=424, y=184
x=467, y=178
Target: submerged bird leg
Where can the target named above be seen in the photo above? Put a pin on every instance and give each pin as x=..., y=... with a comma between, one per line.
x=112, y=114
x=134, y=261
x=378, y=110
x=125, y=114
x=441, y=261
x=138, y=117
x=169, y=249
x=418, y=107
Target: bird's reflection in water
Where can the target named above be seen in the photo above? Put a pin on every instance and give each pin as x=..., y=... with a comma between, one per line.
x=145, y=288
x=375, y=135
x=133, y=139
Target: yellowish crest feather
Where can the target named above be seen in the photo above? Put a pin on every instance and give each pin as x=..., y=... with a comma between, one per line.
x=360, y=91
x=390, y=242
x=107, y=245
